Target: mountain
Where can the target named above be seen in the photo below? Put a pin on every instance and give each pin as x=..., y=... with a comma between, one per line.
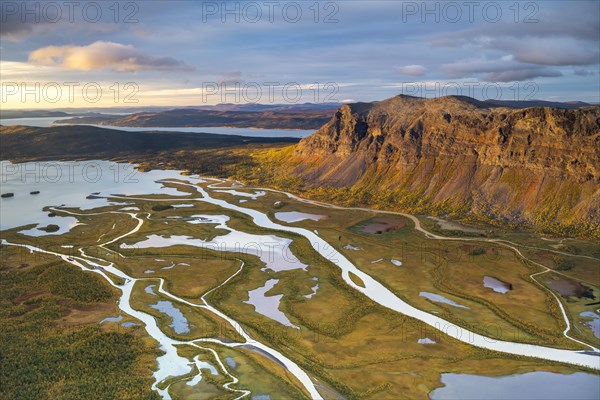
x=458, y=155
x=261, y=117
x=537, y=103
x=8, y=114
x=253, y=107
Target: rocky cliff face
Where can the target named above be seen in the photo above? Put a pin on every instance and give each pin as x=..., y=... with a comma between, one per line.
x=531, y=164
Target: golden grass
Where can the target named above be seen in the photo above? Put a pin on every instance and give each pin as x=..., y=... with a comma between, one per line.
x=354, y=278
x=349, y=343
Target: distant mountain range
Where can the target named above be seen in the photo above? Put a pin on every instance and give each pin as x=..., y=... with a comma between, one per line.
x=265, y=119
x=32, y=114
x=569, y=105
x=163, y=114
x=105, y=115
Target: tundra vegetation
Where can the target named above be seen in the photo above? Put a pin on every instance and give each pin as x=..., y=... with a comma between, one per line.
x=352, y=346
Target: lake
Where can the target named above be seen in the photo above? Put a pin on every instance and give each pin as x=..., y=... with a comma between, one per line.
x=220, y=130
x=69, y=183
x=36, y=121
x=531, y=386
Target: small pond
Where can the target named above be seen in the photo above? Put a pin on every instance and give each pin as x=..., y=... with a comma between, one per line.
x=594, y=324
x=178, y=322
x=496, y=284
x=268, y=305
x=383, y=224
x=438, y=298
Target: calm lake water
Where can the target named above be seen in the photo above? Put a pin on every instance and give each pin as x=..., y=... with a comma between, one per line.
x=38, y=121
x=69, y=183
x=220, y=130
x=531, y=386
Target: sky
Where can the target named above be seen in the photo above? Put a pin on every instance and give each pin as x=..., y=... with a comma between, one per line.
x=60, y=54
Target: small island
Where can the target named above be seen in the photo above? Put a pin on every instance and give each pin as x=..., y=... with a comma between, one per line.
x=50, y=228
x=161, y=207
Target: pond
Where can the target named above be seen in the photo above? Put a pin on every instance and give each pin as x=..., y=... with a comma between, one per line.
x=496, y=284
x=314, y=289
x=178, y=322
x=530, y=386
x=268, y=305
x=150, y=290
x=383, y=224
x=438, y=298
x=568, y=287
x=231, y=362
x=594, y=323
x=111, y=319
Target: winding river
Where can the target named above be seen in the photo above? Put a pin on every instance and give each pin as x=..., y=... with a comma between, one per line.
x=171, y=364
x=381, y=295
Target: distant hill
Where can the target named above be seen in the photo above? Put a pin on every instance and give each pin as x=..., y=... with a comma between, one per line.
x=254, y=107
x=7, y=114
x=70, y=142
x=569, y=105
x=269, y=119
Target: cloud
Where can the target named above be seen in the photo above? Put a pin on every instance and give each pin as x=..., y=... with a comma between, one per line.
x=562, y=36
x=504, y=69
x=521, y=75
x=550, y=51
x=14, y=30
x=231, y=78
x=20, y=20
x=413, y=70
x=104, y=55
x=584, y=72
x=579, y=20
